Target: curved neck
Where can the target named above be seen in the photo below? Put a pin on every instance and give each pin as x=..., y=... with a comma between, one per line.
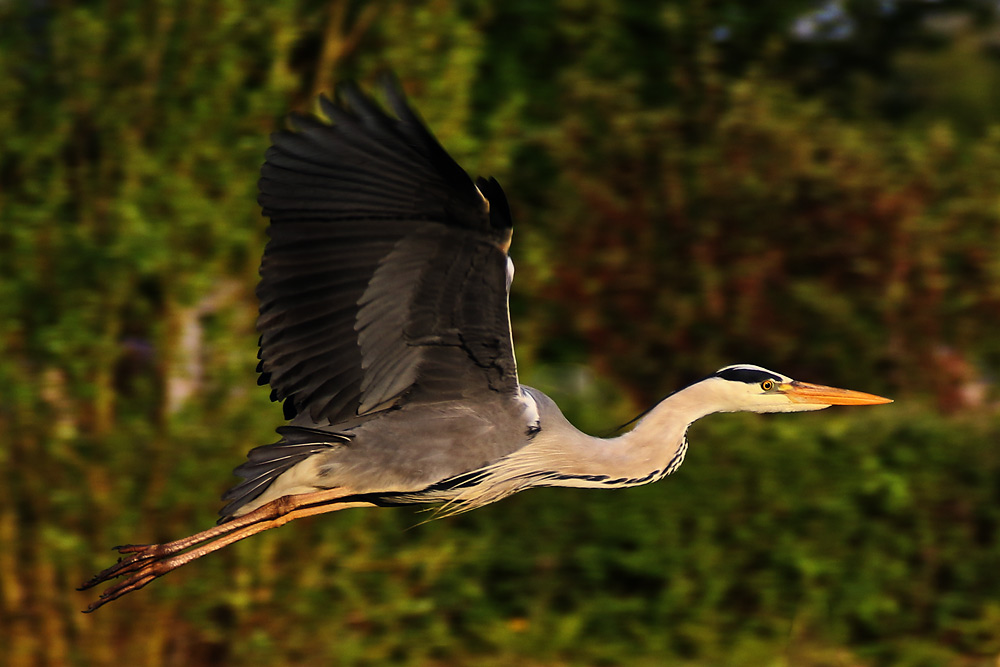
x=675, y=413
x=650, y=451
x=659, y=439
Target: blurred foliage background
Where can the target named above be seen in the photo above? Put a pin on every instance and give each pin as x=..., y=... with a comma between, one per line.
x=809, y=185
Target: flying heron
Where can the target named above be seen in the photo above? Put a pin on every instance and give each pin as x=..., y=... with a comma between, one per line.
x=385, y=332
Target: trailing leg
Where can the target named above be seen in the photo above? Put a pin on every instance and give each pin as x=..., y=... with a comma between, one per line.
x=144, y=563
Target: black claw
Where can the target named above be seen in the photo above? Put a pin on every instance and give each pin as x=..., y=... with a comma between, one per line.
x=139, y=569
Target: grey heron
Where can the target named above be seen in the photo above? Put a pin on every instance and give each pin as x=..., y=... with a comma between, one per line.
x=384, y=331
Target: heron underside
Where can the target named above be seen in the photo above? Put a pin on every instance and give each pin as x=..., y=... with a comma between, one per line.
x=468, y=456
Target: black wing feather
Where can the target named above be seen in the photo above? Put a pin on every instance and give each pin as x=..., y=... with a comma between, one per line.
x=385, y=265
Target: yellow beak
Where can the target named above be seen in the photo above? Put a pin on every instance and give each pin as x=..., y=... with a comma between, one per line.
x=817, y=394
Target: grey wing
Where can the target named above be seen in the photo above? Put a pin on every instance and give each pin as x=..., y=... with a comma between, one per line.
x=385, y=276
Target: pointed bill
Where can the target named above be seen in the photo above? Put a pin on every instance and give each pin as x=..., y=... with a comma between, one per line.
x=817, y=394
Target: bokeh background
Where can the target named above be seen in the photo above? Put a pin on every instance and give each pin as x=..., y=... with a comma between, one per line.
x=810, y=186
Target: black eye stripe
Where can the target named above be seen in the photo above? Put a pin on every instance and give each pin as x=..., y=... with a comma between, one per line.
x=747, y=375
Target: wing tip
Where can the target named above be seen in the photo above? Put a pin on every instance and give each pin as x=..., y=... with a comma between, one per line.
x=499, y=207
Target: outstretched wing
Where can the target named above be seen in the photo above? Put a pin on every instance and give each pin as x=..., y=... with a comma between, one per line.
x=385, y=277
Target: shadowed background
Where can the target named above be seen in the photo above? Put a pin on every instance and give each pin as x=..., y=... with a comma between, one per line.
x=810, y=186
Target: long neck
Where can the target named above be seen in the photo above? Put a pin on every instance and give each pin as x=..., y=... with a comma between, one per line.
x=651, y=450
x=560, y=455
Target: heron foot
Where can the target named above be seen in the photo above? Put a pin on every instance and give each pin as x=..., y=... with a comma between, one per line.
x=146, y=563
x=143, y=563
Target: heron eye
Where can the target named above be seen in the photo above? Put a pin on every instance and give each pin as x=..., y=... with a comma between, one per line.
x=767, y=385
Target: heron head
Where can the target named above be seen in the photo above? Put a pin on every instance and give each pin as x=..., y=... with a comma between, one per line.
x=748, y=388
